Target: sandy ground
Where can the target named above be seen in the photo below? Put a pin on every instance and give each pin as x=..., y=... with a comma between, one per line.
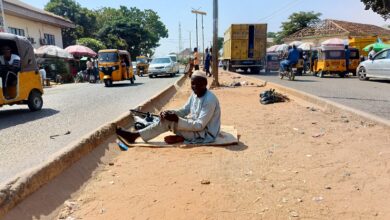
x=294, y=161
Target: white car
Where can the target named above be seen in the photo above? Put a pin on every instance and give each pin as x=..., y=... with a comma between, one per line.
x=174, y=59
x=379, y=67
x=162, y=66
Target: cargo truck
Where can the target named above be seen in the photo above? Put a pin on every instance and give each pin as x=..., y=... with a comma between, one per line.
x=244, y=47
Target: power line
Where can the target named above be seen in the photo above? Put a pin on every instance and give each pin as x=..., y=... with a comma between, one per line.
x=282, y=9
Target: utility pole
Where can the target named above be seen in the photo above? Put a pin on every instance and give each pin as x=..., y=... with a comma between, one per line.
x=180, y=39
x=189, y=55
x=196, y=12
x=215, y=42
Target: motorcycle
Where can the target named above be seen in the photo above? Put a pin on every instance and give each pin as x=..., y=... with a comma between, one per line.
x=290, y=73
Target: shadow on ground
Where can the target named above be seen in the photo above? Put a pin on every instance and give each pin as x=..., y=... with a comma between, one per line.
x=13, y=117
x=46, y=202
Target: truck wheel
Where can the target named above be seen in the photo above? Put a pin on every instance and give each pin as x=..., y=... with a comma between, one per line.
x=35, y=101
x=255, y=70
x=321, y=74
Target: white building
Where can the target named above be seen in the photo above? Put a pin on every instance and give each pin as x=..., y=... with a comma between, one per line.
x=39, y=26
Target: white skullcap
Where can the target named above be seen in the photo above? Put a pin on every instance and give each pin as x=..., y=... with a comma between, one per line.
x=199, y=73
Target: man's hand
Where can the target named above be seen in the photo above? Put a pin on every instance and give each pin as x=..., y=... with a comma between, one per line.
x=169, y=115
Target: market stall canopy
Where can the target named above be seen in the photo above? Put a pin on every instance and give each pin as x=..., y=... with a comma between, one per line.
x=272, y=48
x=334, y=44
x=296, y=43
x=306, y=46
x=51, y=51
x=282, y=47
x=80, y=50
x=376, y=46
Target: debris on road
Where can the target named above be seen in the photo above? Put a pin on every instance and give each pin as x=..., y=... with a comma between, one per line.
x=57, y=135
x=205, y=182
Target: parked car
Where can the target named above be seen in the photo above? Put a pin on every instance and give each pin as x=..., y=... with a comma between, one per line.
x=162, y=66
x=378, y=67
x=174, y=59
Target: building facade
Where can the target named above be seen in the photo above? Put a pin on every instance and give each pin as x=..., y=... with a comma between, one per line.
x=39, y=26
x=330, y=28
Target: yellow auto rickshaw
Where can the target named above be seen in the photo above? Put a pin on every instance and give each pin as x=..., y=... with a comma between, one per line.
x=115, y=65
x=20, y=81
x=354, y=60
x=331, y=60
x=142, y=65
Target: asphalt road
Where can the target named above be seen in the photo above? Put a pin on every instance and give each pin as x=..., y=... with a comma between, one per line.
x=79, y=108
x=369, y=96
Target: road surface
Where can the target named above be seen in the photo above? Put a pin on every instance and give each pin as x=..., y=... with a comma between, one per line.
x=369, y=96
x=79, y=108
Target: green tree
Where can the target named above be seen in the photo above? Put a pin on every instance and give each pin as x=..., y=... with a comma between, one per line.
x=296, y=22
x=146, y=26
x=83, y=18
x=220, y=42
x=381, y=7
x=92, y=43
x=271, y=34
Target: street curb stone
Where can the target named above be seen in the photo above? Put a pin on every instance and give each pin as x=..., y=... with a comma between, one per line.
x=15, y=190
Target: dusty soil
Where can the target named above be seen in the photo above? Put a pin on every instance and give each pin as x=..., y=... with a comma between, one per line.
x=294, y=161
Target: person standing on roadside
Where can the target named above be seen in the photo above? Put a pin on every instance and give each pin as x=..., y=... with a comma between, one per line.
x=371, y=53
x=42, y=71
x=347, y=57
x=196, y=59
x=89, y=67
x=207, y=62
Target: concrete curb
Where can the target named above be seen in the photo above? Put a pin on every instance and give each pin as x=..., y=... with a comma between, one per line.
x=17, y=189
x=326, y=104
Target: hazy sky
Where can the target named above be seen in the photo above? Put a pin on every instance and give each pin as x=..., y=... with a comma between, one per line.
x=272, y=12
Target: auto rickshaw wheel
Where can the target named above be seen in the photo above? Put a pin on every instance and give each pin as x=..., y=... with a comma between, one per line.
x=108, y=82
x=132, y=80
x=35, y=101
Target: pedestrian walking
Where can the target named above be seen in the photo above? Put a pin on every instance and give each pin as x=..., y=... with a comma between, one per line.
x=42, y=72
x=207, y=62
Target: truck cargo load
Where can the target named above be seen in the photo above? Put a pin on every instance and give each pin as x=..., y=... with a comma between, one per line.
x=244, y=47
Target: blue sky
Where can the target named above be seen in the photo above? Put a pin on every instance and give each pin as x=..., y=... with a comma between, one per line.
x=272, y=12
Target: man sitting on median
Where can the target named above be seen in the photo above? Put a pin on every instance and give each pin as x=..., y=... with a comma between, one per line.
x=197, y=122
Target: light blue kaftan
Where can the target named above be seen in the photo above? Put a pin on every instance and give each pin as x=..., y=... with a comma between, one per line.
x=199, y=121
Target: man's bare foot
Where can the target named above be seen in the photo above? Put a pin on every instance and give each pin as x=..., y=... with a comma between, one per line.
x=128, y=136
x=173, y=139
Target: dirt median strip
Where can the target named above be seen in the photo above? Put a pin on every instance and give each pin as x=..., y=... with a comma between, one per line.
x=15, y=190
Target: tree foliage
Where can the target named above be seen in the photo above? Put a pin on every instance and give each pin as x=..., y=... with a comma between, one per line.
x=296, y=22
x=138, y=31
x=84, y=19
x=381, y=7
x=92, y=43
